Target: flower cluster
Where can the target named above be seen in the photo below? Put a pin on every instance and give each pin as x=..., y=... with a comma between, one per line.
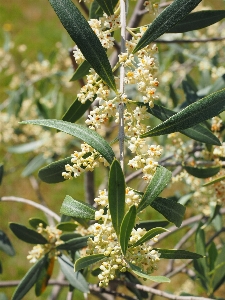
x=105, y=242
x=102, y=27
x=52, y=234
x=146, y=160
x=87, y=159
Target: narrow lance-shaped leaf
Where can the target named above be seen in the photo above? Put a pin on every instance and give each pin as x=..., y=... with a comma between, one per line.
x=35, y=222
x=197, y=132
x=142, y=274
x=66, y=226
x=150, y=224
x=218, y=179
x=5, y=244
x=27, y=235
x=28, y=280
x=126, y=228
x=149, y=235
x=85, y=38
x=133, y=279
x=116, y=195
x=219, y=275
x=76, y=111
x=193, y=114
x=198, y=20
x=26, y=147
x=76, y=279
x=74, y=244
x=168, y=18
x=107, y=6
x=170, y=209
x=52, y=173
x=74, y=208
x=159, y=181
x=87, y=135
x=85, y=262
x=81, y=71
x=44, y=275
x=34, y=165
x=177, y=254
x=203, y=172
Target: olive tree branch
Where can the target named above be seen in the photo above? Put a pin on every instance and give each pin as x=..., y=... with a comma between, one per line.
x=32, y=203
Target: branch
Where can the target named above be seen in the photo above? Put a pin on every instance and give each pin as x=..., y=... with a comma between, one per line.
x=185, y=223
x=164, y=294
x=32, y=203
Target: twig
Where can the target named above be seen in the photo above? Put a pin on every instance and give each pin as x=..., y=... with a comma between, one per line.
x=89, y=187
x=84, y=7
x=36, y=188
x=56, y=290
x=164, y=294
x=69, y=296
x=122, y=75
x=32, y=203
x=185, y=223
x=136, y=17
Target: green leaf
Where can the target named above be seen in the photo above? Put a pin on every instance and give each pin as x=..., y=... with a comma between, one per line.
x=26, y=147
x=27, y=235
x=77, y=209
x=52, y=173
x=1, y=172
x=129, y=277
x=74, y=244
x=95, y=10
x=193, y=114
x=116, y=195
x=197, y=132
x=219, y=275
x=151, y=224
x=140, y=273
x=34, y=222
x=173, y=95
x=69, y=236
x=149, y=235
x=81, y=71
x=200, y=265
x=76, y=279
x=85, y=262
x=5, y=244
x=212, y=255
x=198, y=20
x=159, y=181
x=44, y=275
x=76, y=111
x=89, y=136
x=215, y=180
x=170, y=209
x=126, y=228
x=33, y=165
x=66, y=226
x=203, y=172
x=168, y=18
x=85, y=38
x=28, y=280
x=107, y=6
x=177, y=254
